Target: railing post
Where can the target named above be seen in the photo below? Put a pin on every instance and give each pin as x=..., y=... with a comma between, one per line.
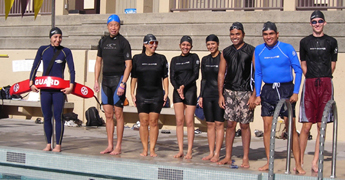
x=331, y=105
x=287, y=103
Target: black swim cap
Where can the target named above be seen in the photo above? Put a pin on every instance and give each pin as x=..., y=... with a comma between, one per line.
x=149, y=37
x=186, y=38
x=212, y=37
x=317, y=14
x=55, y=30
x=237, y=25
x=269, y=26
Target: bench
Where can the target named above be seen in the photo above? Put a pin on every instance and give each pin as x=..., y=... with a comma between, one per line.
x=27, y=108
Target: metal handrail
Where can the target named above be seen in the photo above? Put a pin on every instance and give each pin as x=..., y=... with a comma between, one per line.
x=280, y=104
x=331, y=105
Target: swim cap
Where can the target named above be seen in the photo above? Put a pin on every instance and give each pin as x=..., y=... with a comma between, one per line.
x=269, y=26
x=113, y=17
x=212, y=37
x=237, y=25
x=55, y=30
x=186, y=38
x=149, y=37
x=317, y=14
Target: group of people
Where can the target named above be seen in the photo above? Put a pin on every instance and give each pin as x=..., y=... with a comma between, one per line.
x=227, y=89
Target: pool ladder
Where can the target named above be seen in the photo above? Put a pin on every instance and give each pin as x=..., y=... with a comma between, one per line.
x=331, y=105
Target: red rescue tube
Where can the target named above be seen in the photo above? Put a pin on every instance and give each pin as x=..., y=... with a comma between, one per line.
x=50, y=82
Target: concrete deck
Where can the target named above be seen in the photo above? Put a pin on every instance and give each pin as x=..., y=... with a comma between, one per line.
x=82, y=145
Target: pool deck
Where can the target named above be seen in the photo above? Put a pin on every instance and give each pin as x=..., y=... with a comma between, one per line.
x=81, y=147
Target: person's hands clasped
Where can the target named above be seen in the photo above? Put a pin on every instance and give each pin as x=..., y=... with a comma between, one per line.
x=180, y=91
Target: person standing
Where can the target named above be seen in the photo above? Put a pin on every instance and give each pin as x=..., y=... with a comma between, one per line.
x=184, y=71
x=274, y=61
x=208, y=99
x=236, y=91
x=53, y=100
x=149, y=71
x=115, y=59
x=318, y=54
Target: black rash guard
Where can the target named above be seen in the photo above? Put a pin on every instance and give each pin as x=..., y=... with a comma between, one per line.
x=114, y=51
x=209, y=72
x=184, y=70
x=319, y=52
x=149, y=71
x=240, y=72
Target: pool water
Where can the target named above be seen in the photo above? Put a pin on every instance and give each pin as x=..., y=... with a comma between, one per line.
x=10, y=172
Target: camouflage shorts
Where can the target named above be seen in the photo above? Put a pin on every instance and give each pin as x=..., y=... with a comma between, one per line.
x=236, y=108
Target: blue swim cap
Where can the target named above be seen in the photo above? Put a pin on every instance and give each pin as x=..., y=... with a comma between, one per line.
x=113, y=17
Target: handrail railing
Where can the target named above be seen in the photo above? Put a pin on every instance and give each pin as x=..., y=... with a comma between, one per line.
x=320, y=4
x=222, y=5
x=280, y=104
x=16, y=9
x=331, y=105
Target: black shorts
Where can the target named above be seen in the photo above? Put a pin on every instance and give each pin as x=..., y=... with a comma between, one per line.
x=189, y=96
x=212, y=110
x=110, y=85
x=148, y=102
x=270, y=98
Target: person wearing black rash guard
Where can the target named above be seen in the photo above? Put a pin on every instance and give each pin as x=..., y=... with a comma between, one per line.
x=318, y=54
x=114, y=54
x=184, y=71
x=148, y=72
x=236, y=91
x=274, y=61
x=208, y=99
x=53, y=101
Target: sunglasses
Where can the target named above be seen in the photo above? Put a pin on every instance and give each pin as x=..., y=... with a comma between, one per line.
x=151, y=42
x=319, y=21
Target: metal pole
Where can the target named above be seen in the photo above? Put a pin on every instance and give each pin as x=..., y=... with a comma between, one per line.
x=335, y=140
x=53, y=13
x=272, y=138
x=331, y=105
x=289, y=140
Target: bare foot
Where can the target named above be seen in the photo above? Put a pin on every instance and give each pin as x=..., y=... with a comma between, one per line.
x=107, y=150
x=207, y=157
x=48, y=147
x=153, y=154
x=215, y=158
x=264, y=168
x=188, y=155
x=116, y=151
x=314, y=168
x=300, y=170
x=225, y=161
x=57, y=148
x=178, y=155
x=144, y=153
x=245, y=163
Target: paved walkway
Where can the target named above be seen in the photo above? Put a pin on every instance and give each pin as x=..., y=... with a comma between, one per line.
x=91, y=140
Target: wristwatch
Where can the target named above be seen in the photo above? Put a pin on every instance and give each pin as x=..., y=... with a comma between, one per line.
x=124, y=83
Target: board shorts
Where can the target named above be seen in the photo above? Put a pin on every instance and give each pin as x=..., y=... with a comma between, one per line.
x=315, y=95
x=236, y=108
x=270, y=96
